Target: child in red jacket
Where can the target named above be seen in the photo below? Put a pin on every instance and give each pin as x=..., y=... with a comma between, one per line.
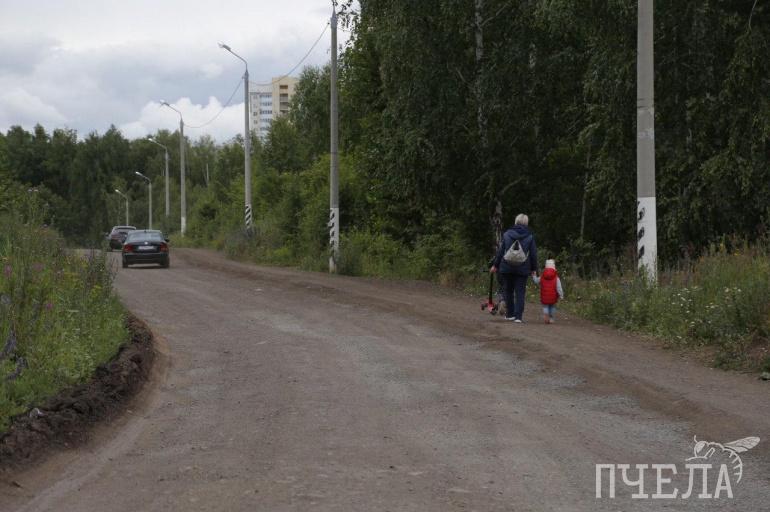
x=550, y=290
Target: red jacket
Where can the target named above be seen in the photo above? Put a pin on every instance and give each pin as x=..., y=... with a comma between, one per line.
x=548, y=293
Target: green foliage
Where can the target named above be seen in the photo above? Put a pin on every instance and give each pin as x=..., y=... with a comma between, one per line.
x=309, y=112
x=722, y=300
x=544, y=116
x=57, y=305
x=284, y=150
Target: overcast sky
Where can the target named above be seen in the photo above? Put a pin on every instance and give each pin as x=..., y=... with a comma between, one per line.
x=88, y=64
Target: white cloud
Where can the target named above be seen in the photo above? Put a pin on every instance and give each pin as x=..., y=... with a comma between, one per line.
x=227, y=122
x=94, y=63
x=17, y=106
x=211, y=70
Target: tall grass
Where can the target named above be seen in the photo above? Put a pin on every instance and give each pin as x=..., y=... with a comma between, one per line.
x=720, y=301
x=59, y=318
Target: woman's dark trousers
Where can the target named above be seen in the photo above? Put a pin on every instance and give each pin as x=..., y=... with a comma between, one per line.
x=514, y=291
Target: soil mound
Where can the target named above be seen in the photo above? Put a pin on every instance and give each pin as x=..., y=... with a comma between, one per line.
x=67, y=419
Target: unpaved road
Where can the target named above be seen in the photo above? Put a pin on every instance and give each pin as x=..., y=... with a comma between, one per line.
x=280, y=390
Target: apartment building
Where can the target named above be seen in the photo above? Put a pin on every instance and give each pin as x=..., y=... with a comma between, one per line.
x=268, y=101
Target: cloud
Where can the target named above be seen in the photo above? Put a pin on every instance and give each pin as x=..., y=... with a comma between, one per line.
x=17, y=106
x=97, y=63
x=27, y=52
x=211, y=70
x=226, y=124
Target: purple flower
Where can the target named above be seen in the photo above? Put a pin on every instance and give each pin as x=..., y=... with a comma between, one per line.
x=48, y=306
x=8, y=270
x=37, y=267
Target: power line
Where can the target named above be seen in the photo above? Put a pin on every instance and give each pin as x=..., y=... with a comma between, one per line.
x=222, y=110
x=238, y=86
x=298, y=63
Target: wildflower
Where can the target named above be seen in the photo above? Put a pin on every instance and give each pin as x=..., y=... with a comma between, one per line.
x=7, y=271
x=49, y=305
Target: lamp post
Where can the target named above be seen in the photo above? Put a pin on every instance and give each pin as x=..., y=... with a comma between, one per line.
x=166, y=172
x=334, y=198
x=183, y=198
x=247, y=213
x=149, y=194
x=646, y=216
x=126, y=198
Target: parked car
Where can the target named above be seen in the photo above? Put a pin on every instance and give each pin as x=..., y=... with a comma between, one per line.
x=145, y=246
x=117, y=236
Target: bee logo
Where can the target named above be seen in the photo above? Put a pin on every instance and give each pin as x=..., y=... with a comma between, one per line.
x=703, y=450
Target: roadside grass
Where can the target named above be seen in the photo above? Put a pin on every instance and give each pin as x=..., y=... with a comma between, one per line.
x=718, y=304
x=59, y=318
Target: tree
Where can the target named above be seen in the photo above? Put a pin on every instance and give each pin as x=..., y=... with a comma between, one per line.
x=284, y=150
x=309, y=112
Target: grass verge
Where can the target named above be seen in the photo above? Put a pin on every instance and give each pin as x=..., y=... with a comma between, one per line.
x=718, y=304
x=59, y=317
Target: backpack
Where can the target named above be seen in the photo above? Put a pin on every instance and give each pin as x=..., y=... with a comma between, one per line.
x=515, y=255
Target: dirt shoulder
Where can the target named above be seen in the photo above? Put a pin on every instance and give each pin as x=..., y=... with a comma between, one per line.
x=67, y=419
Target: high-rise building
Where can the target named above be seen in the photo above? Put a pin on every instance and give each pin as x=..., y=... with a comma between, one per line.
x=268, y=101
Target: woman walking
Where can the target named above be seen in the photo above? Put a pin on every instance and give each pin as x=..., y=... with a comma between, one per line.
x=516, y=260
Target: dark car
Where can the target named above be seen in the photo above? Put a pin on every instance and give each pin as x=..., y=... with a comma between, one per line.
x=117, y=236
x=145, y=246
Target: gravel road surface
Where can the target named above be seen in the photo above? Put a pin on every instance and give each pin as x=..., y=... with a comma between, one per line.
x=280, y=390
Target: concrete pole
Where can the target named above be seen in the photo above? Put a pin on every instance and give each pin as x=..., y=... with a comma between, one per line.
x=167, y=201
x=246, y=151
x=124, y=196
x=183, y=226
x=647, y=235
x=334, y=210
x=149, y=197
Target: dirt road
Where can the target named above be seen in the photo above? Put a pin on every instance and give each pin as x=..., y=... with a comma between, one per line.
x=281, y=390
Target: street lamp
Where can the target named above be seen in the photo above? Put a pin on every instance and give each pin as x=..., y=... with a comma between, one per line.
x=183, y=223
x=166, y=175
x=126, y=198
x=247, y=213
x=646, y=216
x=334, y=193
x=149, y=193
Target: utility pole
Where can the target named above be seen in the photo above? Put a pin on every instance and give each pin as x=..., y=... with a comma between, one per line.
x=334, y=207
x=166, y=173
x=247, y=151
x=247, y=214
x=183, y=220
x=126, y=198
x=646, y=227
x=167, y=201
x=149, y=195
x=183, y=208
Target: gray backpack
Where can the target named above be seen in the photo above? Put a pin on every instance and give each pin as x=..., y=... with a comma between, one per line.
x=515, y=255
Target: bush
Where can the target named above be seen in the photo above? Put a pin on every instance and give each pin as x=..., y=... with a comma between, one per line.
x=722, y=300
x=363, y=253
x=59, y=317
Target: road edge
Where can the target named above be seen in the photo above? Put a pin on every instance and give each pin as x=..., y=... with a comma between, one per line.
x=70, y=418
